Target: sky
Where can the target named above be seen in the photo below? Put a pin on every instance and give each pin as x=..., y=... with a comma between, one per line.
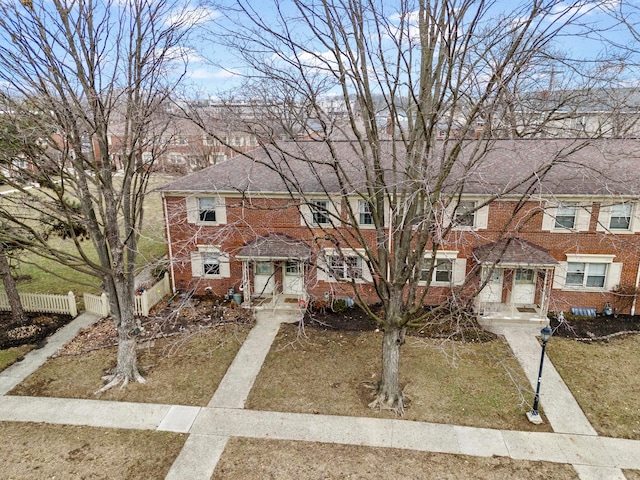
x=205, y=77
x=210, y=79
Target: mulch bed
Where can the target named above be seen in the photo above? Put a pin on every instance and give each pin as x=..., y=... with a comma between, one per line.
x=187, y=315
x=461, y=328
x=166, y=319
x=600, y=328
x=33, y=331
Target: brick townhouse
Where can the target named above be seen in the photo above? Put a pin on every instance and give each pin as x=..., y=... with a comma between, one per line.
x=567, y=237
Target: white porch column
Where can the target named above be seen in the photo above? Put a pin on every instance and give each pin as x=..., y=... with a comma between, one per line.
x=246, y=284
x=546, y=291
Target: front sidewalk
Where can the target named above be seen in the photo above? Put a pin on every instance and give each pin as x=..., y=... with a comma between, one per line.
x=573, y=442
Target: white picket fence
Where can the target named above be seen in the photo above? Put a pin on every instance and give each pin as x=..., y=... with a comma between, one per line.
x=43, y=303
x=99, y=304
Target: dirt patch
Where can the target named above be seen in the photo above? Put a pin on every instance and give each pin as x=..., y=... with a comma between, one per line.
x=600, y=328
x=33, y=331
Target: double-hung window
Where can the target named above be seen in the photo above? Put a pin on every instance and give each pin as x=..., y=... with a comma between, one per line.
x=208, y=261
x=565, y=216
x=211, y=263
x=620, y=216
x=345, y=268
x=581, y=274
x=207, y=209
x=364, y=210
x=465, y=214
x=320, y=212
x=442, y=272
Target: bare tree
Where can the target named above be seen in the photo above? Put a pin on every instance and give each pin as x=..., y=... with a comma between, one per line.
x=416, y=81
x=74, y=69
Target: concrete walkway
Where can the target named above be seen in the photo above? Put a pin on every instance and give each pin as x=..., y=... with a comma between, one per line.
x=559, y=406
x=573, y=442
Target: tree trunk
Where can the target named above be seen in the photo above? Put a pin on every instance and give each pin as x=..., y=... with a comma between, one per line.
x=126, y=369
x=17, y=312
x=389, y=395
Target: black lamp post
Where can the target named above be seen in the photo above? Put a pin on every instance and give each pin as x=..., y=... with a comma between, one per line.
x=533, y=415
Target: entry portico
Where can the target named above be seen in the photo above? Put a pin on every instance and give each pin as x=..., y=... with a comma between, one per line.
x=516, y=281
x=274, y=268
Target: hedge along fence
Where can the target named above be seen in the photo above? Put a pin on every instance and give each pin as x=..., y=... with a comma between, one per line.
x=99, y=304
x=43, y=303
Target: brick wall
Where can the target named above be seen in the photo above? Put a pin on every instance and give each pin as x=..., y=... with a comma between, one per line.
x=248, y=218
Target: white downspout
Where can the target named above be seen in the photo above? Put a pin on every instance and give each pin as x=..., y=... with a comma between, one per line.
x=170, y=246
x=633, y=305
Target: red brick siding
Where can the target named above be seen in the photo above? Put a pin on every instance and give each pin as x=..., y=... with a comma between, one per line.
x=247, y=219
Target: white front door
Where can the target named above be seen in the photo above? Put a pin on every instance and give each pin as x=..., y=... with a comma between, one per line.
x=263, y=278
x=293, y=283
x=492, y=292
x=524, y=287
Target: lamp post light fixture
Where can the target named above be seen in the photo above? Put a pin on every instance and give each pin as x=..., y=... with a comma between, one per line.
x=534, y=415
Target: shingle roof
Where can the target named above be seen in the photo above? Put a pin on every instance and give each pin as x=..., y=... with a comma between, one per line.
x=275, y=246
x=580, y=167
x=514, y=252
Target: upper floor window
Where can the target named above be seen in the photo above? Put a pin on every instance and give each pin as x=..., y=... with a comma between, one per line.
x=620, y=216
x=210, y=141
x=580, y=274
x=365, y=216
x=207, y=209
x=565, y=216
x=465, y=214
x=319, y=210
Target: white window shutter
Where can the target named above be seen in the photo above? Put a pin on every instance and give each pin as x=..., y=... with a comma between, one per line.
x=354, y=204
x=221, y=211
x=614, y=271
x=192, y=209
x=322, y=269
x=446, y=216
x=560, y=275
x=225, y=265
x=482, y=218
x=197, y=270
x=306, y=215
x=604, y=217
x=366, y=273
x=459, y=271
x=583, y=218
x=635, y=217
x=549, y=218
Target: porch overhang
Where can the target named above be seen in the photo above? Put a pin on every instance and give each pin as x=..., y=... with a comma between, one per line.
x=275, y=246
x=514, y=253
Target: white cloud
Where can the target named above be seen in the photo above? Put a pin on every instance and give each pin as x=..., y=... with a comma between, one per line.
x=208, y=74
x=585, y=7
x=184, y=54
x=189, y=16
